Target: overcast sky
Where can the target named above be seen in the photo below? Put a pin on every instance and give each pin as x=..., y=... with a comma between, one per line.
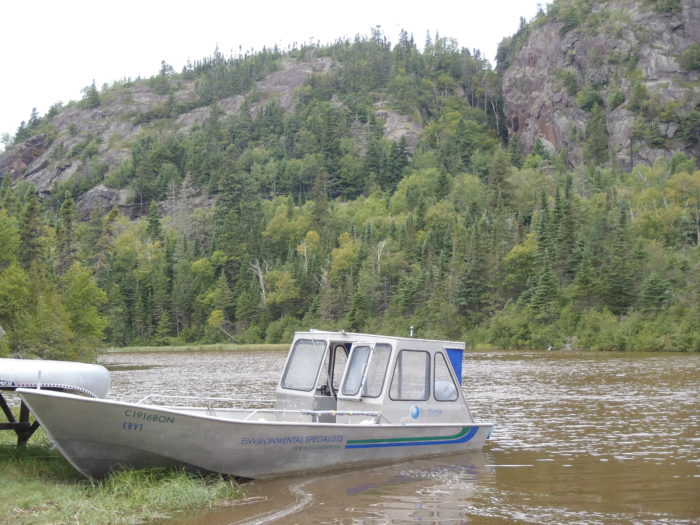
x=51, y=49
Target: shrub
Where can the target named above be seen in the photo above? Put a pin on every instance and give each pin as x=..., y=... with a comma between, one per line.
x=587, y=98
x=690, y=59
x=615, y=99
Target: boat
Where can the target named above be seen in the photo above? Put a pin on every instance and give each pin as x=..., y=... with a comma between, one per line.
x=67, y=376
x=343, y=400
x=70, y=376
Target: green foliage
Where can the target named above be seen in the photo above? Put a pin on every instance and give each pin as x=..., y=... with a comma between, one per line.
x=596, y=141
x=689, y=131
x=588, y=98
x=639, y=99
x=568, y=81
x=265, y=221
x=690, y=58
x=9, y=238
x=615, y=99
x=666, y=6
x=91, y=97
x=40, y=486
x=570, y=17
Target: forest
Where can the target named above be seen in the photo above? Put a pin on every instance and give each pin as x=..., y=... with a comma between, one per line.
x=258, y=224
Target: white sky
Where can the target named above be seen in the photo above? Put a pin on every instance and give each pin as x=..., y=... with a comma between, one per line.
x=51, y=49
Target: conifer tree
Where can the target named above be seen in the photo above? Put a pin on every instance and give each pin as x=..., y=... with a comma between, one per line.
x=8, y=199
x=514, y=151
x=9, y=239
x=473, y=285
x=65, y=234
x=499, y=189
x=465, y=143
x=91, y=97
x=546, y=291
x=398, y=162
x=154, y=229
x=320, y=212
x=595, y=149
x=655, y=293
x=619, y=277
x=566, y=240
x=31, y=248
x=358, y=315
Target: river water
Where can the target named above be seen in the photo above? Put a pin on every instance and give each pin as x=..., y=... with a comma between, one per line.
x=590, y=438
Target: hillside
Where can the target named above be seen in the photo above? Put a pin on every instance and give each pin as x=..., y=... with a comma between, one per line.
x=369, y=186
x=637, y=61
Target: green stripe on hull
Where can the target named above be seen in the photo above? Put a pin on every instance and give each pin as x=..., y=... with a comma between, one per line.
x=458, y=435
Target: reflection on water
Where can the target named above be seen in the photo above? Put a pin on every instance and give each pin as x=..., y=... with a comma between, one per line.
x=579, y=438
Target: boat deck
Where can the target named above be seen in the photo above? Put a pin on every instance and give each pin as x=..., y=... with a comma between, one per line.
x=280, y=416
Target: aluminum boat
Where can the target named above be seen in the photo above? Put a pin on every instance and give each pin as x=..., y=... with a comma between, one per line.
x=343, y=400
x=89, y=379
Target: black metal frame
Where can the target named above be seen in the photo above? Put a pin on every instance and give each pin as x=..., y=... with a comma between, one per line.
x=22, y=427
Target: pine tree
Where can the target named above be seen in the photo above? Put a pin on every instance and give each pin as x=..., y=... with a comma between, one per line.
x=544, y=235
x=91, y=97
x=398, y=162
x=31, y=249
x=465, y=144
x=514, y=151
x=655, y=293
x=619, y=276
x=65, y=234
x=8, y=199
x=154, y=229
x=473, y=285
x=546, y=291
x=9, y=239
x=595, y=150
x=223, y=297
x=566, y=239
x=320, y=215
x=499, y=189
x=358, y=315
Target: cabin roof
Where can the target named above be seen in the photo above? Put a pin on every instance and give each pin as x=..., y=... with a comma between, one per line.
x=343, y=335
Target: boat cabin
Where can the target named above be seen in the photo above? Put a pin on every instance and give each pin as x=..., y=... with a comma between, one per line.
x=339, y=376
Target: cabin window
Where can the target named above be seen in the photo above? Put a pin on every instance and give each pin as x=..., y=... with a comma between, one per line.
x=411, y=380
x=355, y=371
x=444, y=388
x=377, y=371
x=339, y=362
x=303, y=364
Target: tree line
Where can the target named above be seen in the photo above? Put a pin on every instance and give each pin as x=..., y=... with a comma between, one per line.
x=267, y=221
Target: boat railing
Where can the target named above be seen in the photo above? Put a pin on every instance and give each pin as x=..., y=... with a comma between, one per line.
x=206, y=399
x=256, y=414
x=317, y=414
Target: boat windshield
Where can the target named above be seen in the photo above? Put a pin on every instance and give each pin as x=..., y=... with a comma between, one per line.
x=356, y=370
x=366, y=370
x=303, y=364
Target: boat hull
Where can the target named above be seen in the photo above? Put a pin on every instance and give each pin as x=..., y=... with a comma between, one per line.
x=98, y=436
x=90, y=379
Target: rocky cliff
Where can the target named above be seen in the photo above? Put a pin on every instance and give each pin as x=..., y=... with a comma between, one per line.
x=83, y=139
x=121, y=115
x=625, y=55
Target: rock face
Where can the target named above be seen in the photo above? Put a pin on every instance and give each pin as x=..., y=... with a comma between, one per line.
x=623, y=50
x=103, y=198
x=109, y=130
x=112, y=126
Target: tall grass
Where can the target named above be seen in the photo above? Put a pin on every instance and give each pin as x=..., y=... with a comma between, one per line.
x=37, y=485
